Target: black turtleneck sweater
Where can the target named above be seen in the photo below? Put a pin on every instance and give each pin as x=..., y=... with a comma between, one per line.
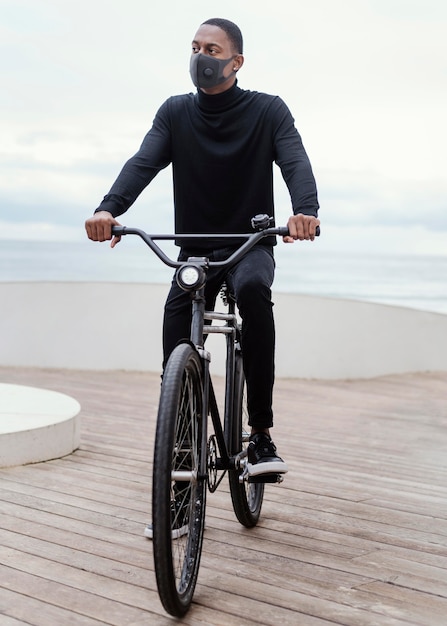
x=222, y=148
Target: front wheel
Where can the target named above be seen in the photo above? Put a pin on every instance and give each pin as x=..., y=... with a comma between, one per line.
x=246, y=497
x=179, y=484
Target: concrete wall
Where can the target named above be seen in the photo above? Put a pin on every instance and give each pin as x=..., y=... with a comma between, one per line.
x=118, y=326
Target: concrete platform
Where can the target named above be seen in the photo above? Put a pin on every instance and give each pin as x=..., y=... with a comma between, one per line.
x=36, y=425
x=316, y=338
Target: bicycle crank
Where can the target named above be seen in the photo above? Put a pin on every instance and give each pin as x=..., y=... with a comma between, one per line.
x=213, y=479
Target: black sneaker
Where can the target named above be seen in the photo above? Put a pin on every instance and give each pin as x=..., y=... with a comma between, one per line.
x=180, y=527
x=262, y=457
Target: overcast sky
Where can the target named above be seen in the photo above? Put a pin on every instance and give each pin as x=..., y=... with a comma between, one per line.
x=366, y=81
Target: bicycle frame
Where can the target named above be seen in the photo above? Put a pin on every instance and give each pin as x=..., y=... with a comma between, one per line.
x=223, y=432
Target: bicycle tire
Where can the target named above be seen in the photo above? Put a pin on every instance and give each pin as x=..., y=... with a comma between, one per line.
x=246, y=497
x=177, y=448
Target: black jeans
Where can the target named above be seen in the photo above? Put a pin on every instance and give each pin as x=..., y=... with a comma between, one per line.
x=250, y=281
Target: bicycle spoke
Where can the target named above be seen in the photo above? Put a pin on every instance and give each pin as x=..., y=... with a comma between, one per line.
x=246, y=497
x=178, y=493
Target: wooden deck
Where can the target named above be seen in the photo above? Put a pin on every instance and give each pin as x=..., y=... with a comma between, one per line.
x=356, y=535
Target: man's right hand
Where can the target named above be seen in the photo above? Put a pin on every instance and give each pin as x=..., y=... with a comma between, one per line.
x=99, y=227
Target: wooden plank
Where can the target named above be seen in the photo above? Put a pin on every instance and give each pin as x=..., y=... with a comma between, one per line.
x=28, y=610
x=355, y=535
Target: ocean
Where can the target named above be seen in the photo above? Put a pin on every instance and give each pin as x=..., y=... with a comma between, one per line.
x=418, y=282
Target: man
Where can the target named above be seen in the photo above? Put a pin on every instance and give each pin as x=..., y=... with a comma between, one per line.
x=222, y=142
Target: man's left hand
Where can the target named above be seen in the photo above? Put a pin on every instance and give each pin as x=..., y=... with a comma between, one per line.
x=301, y=227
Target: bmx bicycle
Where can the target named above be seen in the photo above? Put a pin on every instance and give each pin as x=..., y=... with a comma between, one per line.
x=188, y=461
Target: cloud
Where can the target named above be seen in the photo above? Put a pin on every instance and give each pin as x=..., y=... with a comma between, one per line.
x=365, y=82
x=370, y=198
x=43, y=231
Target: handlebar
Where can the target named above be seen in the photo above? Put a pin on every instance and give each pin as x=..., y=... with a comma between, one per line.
x=251, y=239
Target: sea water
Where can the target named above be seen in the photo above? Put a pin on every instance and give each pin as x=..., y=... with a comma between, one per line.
x=418, y=282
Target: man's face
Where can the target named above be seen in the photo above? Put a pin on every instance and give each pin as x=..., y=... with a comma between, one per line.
x=213, y=41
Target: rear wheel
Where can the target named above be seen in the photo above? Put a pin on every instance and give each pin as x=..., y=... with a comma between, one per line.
x=246, y=497
x=179, y=486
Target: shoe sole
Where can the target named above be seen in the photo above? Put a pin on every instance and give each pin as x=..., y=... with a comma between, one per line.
x=265, y=478
x=176, y=533
x=274, y=467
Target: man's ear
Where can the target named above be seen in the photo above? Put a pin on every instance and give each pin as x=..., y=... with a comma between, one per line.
x=238, y=62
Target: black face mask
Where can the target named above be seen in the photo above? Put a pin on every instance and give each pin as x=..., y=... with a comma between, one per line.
x=207, y=71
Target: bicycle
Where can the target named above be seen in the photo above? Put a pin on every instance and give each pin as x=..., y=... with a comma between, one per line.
x=188, y=461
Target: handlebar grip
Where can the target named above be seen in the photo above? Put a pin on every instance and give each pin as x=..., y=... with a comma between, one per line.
x=283, y=231
x=118, y=231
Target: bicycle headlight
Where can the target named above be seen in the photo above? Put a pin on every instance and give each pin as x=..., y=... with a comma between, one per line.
x=190, y=277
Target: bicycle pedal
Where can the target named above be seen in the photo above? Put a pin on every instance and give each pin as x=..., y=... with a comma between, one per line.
x=266, y=478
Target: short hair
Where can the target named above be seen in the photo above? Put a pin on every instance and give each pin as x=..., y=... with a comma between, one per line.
x=232, y=31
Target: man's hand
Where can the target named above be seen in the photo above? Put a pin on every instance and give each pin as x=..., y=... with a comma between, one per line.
x=99, y=227
x=301, y=227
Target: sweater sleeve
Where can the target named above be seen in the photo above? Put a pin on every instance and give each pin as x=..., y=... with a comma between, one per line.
x=293, y=161
x=154, y=155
